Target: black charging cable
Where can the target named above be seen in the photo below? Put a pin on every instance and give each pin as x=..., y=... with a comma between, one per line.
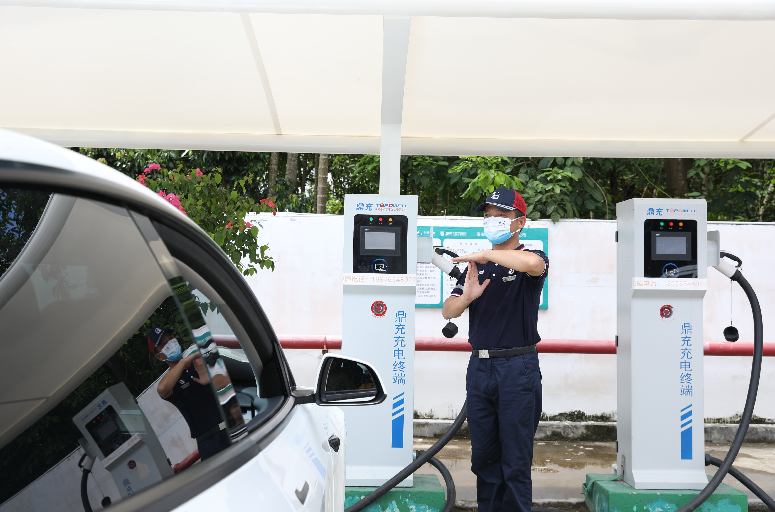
x=84, y=483
x=422, y=458
x=753, y=388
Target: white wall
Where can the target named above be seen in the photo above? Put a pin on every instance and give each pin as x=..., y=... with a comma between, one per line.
x=304, y=296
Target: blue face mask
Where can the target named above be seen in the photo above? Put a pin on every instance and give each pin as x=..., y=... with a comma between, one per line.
x=497, y=229
x=172, y=350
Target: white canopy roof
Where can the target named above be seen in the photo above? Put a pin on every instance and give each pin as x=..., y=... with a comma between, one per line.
x=548, y=77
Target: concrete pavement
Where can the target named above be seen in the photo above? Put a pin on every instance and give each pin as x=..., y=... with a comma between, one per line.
x=559, y=468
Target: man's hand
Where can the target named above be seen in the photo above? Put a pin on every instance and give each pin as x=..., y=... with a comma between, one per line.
x=199, y=366
x=472, y=290
x=476, y=257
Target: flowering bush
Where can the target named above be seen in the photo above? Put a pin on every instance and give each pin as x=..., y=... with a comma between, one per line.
x=220, y=212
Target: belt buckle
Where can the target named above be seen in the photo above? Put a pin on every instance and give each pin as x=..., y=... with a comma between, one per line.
x=484, y=354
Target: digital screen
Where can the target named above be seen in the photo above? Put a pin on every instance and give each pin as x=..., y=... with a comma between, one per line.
x=672, y=245
x=379, y=240
x=106, y=429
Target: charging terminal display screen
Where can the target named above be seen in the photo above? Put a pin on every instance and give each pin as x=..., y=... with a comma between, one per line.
x=379, y=240
x=108, y=431
x=671, y=246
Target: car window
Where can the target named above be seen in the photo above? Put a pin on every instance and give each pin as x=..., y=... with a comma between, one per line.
x=108, y=358
x=241, y=372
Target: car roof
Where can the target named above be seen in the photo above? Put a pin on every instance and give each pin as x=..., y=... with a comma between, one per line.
x=64, y=169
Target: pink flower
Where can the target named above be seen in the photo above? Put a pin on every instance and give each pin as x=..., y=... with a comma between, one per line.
x=198, y=172
x=173, y=199
x=154, y=166
x=228, y=226
x=248, y=225
x=162, y=193
x=270, y=203
x=274, y=213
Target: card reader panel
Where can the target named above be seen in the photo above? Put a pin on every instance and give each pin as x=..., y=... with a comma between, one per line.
x=379, y=244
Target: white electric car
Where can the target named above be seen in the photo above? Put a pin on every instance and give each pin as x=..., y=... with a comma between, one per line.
x=90, y=262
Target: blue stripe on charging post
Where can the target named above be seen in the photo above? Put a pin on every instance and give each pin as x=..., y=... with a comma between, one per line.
x=686, y=434
x=398, y=422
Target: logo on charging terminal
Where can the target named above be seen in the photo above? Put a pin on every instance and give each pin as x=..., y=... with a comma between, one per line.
x=378, y=308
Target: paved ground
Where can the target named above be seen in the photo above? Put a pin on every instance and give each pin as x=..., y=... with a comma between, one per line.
x=559, y=467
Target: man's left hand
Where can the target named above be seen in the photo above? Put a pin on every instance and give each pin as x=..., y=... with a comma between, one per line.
x=476, y=257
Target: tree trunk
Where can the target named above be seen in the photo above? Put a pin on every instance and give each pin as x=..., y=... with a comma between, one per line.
x=316, y=167
x=274, y=161
x=304, y=171
x=676, y=175
x=322, y=179
x=292, y=171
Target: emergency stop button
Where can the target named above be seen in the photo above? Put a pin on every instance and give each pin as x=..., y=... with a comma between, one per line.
x=666, y=311
x=378, y=308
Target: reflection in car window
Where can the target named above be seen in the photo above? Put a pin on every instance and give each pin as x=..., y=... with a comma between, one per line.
x=80, y=297
x=20, y=211
x=240, y=371
x=346, y=375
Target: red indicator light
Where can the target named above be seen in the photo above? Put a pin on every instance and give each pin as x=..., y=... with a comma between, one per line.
x=380, y=219
x=671, y=223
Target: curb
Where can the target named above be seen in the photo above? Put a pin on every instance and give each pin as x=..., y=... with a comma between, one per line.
x=722, y=433
x=754, y=505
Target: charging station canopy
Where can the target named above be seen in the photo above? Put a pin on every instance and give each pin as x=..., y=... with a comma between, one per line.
x=486, y=77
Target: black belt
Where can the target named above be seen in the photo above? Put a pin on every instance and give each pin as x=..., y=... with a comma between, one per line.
x=210, y=433
x=504, y=352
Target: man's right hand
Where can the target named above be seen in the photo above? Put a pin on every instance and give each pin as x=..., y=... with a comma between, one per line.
x=472, y=290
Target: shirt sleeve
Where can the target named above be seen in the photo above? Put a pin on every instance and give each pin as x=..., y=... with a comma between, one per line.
x=174, y=398
x=545, y=273
x=457, y=291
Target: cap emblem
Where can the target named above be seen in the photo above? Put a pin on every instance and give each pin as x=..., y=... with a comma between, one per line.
x=495, y=195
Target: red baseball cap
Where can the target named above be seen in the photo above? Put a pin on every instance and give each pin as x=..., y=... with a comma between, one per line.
x=154, y=337
x=505, y=199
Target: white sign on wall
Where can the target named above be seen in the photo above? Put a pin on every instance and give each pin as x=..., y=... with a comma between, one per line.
x=433, y=287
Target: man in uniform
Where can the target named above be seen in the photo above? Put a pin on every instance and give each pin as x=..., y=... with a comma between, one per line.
x=187, y=386
x=502, y=289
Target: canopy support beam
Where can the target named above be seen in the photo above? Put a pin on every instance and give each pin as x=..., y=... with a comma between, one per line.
x=395, y=49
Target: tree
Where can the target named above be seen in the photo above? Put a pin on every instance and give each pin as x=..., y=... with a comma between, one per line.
x=322, y=184
x=676, y=174
x=218, y=211
x=292, y=171
x=274, y=161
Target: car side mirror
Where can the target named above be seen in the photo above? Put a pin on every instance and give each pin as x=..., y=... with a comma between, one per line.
x=344, y=381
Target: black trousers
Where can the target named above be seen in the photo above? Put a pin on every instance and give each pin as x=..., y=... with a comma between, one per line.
x=504, y=406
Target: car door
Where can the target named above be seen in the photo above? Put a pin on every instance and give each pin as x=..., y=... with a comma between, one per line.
x=90, y=264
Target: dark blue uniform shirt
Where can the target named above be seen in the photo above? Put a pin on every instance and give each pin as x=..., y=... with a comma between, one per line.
x=196, y=403
x=506, y=314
